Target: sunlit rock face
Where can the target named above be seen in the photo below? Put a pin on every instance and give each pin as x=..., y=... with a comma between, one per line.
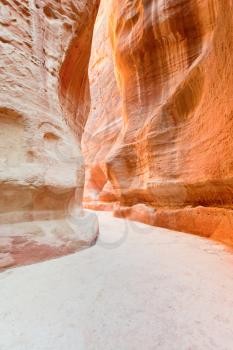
x=44, y=103
x=173, y=66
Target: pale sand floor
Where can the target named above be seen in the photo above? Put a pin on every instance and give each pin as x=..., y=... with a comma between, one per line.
x=138, y=288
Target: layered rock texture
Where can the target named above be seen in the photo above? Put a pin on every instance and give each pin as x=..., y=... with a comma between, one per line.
x=44, y=103
x=157, y=141
x=170, y=162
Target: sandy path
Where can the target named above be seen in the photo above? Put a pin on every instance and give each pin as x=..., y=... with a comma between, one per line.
x=139, y=288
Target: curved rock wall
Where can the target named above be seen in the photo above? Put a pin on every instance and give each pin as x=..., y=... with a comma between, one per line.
x=44, y=102
x=173, y=65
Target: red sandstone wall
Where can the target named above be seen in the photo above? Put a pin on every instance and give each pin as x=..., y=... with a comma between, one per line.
x=173, y=65
x=158, y=140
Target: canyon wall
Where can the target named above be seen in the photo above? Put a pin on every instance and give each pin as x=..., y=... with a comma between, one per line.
x=44, y=103
x=158, y=139
x=171, y=162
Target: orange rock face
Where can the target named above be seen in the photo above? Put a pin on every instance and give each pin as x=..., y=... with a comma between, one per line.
x=44, y=103
x=174, y=69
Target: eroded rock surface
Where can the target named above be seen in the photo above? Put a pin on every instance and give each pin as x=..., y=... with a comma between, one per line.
x=173, y=65
x=44, y=102
x=158, y=139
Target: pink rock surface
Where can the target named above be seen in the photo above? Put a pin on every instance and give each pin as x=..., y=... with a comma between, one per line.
x=44, y=103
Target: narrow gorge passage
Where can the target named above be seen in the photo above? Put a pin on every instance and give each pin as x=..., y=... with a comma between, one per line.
x=155, y=121
x=116, y=121
x=157, y=289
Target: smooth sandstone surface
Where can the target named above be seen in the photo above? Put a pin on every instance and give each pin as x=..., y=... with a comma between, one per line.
x=44, y=103
x=173, y=66
x=155, y=124
x=139, y=287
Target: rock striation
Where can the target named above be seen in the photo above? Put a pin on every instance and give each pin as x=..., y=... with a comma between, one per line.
x=44, y=103
x=173, y=155
x=155, y=125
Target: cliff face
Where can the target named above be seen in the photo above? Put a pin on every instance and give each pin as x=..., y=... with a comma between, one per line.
x=44, y=103
x=173, y=65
